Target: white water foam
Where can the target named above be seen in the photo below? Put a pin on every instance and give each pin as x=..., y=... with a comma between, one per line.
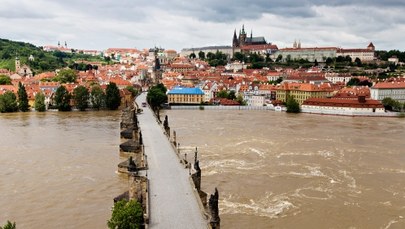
x=313, y=172
x=266, y=206
x=260, y=153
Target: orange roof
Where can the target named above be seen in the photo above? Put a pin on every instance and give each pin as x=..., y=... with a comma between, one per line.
x=390, y=85
x=5, y=88
x=333, y=102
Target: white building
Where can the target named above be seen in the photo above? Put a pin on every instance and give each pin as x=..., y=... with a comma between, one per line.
x=333, y=106
x=365, y=55
x=394, y=89
x=338, y=77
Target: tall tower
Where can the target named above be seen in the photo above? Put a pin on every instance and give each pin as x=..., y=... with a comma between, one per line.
x=242, y=37
x=17, y=64
x=235, y=42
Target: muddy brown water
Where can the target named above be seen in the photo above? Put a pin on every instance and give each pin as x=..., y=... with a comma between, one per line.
x=273, y=170
x=276, y=170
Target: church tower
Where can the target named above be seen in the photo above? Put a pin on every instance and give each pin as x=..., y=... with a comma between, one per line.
x=242, y=36
x=17, y=64
x=235, y=42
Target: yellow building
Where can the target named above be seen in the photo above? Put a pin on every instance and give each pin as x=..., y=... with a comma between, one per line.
x=303, y=91
x=181, y=95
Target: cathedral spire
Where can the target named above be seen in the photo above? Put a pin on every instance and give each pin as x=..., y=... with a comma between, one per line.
x=243, y=29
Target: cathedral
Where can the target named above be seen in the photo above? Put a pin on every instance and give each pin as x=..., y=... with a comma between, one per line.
x=250, y=44
x=243, y=39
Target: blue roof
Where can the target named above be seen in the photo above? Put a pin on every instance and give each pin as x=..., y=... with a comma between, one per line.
x=185, y=91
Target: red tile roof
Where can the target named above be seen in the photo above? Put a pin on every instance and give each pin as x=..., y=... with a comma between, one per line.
x=390, y=85
x=333, y=102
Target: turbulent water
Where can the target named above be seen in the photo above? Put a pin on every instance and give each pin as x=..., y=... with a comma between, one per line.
x=57, y=170
x=272, y=170
x=275, y=170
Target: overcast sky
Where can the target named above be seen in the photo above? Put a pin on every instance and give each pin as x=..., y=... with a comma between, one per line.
x=177, y=24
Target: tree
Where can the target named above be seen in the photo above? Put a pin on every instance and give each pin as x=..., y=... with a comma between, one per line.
x=126, y=215
x=40, y=102
x=22, y=98
x=9, y=225
x=112, y=96
x=133, y=91
x=231, y=95
x=8, y=102
x=358, y=62
x=5, y=80
x=240, y=100
x=353, y=82
x=201, y=55
x=156, y=96
x=67, y=76
x=329, y=61
x=62, y=99
x=239, y=56
x=192, y=56
x=81, y=97
x=97, y=97
x=316, y=63
x=279, y=58
x=222, y=94
x=292, y=105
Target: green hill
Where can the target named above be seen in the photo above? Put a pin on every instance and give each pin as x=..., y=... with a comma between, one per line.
x=43, y=61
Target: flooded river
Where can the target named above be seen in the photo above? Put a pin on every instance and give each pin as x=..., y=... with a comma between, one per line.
x=276, y=170
x=273, y=170
x=57, y=170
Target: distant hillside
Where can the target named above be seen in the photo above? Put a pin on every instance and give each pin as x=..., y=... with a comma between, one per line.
x=43, y=61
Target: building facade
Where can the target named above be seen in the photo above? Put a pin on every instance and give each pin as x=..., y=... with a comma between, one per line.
x=181, y=95
x=394, y=90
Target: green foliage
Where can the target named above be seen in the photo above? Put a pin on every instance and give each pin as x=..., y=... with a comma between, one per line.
x=384, y=55
x=9, y=225
x=292, y=105
x=201, y=55
x=392, y=105
x=43, y=61
x=222, y=94
x=231, y=95
x=156, y=96
x=81, y=97
x=113, y=99
x=356, y=82
x=62, y=99
x=5, y=80
x=358, y=62
x=192, y=56
x=40, y=102
x=240, y=100
x=133, y=91
x=126, y=215
x=8, y=102
x=22, y=98
x=217, y=59
x=66, y=76
x=97, y=97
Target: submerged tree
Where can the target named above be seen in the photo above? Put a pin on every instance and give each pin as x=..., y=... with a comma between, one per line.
x=113, y=99
x=40, y=102
x=8, y=102
x=97, y=97
x=292, y=105
x=62, y=99
x=81, y=97
x=9, y=225
x=22, y=98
